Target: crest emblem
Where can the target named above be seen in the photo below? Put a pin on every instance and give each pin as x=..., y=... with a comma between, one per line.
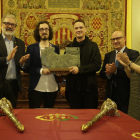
x=59, y=117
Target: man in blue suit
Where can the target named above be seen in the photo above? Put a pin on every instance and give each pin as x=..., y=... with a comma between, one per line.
x=42, y=83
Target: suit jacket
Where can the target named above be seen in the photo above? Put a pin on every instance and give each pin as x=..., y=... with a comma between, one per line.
x=3, y=64
x=122, y=81
x=90, y=63
x=33, y=64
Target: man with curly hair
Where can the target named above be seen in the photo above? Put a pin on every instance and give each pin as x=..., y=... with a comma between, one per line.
x=42, y=83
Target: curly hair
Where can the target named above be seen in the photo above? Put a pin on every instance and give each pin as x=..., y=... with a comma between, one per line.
x=36, y=31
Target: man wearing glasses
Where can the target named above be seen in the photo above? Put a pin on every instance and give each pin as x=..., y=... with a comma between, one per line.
x=42, y=85
x=118, y=84
x=11, y=51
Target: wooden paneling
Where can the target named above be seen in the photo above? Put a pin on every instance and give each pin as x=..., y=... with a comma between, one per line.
x=60, y=102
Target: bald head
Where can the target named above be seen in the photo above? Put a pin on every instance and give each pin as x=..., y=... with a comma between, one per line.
x=117, y=33
x=118, y=40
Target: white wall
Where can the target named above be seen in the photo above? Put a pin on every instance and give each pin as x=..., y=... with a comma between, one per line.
x=136, y=25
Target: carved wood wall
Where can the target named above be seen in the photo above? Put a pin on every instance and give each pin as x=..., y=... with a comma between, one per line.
x=60, y=102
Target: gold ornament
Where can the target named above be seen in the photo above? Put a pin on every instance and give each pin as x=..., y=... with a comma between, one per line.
x=108, y=108
x=7, y=110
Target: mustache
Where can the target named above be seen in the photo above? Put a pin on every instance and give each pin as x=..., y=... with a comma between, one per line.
x=44, y=34
x=9, y=29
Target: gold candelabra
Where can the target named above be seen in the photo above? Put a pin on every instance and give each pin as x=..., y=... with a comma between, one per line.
x=108, y=108
x=7, y=109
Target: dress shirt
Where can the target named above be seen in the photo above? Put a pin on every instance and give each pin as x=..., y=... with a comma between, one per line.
x=11, y=71
x=115, y=60
x=46, y=83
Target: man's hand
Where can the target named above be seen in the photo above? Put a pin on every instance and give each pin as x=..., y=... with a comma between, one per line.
x=45, y=71
x=113, y=68
x=120, y=60
x=110, y=69
x=124, y=58
x=74, y=70
x=23, y=59
x=12, y=54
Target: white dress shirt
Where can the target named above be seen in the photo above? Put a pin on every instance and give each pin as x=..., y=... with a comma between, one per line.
x=46, y=83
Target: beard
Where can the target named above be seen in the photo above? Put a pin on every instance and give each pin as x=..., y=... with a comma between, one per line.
x=8, y=31
x=44, y=37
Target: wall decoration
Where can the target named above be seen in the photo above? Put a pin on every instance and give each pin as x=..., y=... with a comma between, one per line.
x=102, y=18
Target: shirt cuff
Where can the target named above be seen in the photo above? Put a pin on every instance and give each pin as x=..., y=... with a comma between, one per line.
x=108, y=76
x=41, y=71
x=22, y=66
x=7, y=62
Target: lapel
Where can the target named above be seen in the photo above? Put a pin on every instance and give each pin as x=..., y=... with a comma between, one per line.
x=17, y=53
x=126, y=50
x=113, y=56
x=37, y=48
x=38, y=52
x=3, y=46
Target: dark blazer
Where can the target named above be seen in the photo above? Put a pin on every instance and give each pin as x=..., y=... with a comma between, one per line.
x=33, y=64
x=3, y=54
x=122, y=81
x=90, y=63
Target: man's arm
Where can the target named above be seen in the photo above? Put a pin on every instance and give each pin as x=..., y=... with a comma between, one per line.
x=4, y=60
x=94, y=62
x=23, y=59
x=102, y=72
x=132, y=55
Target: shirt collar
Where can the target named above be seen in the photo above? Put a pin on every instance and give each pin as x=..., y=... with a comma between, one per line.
x=5, y=38
x=120, y=50
x=50, y=45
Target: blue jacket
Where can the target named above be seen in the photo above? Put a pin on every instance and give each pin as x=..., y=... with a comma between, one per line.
x=33, y=64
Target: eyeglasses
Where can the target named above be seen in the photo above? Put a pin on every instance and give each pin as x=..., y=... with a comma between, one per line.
x=117, y=38
x=42, y=29
x=8, y=24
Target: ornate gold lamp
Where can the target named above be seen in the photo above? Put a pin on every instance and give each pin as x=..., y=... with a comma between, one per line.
x=7, y=109
x=108, y=108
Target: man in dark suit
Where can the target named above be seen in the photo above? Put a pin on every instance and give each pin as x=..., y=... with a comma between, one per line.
x=118, y=84
x=42, y=83
x=81, y=84
x=11, y=50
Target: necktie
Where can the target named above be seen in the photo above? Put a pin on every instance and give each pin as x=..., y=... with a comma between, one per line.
x=114, y=79
x=117, y=62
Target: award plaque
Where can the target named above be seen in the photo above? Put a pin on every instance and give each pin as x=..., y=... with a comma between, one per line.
x=57, y=62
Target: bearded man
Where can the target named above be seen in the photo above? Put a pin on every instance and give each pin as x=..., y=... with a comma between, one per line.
x=12, y=50
x=42, y=83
